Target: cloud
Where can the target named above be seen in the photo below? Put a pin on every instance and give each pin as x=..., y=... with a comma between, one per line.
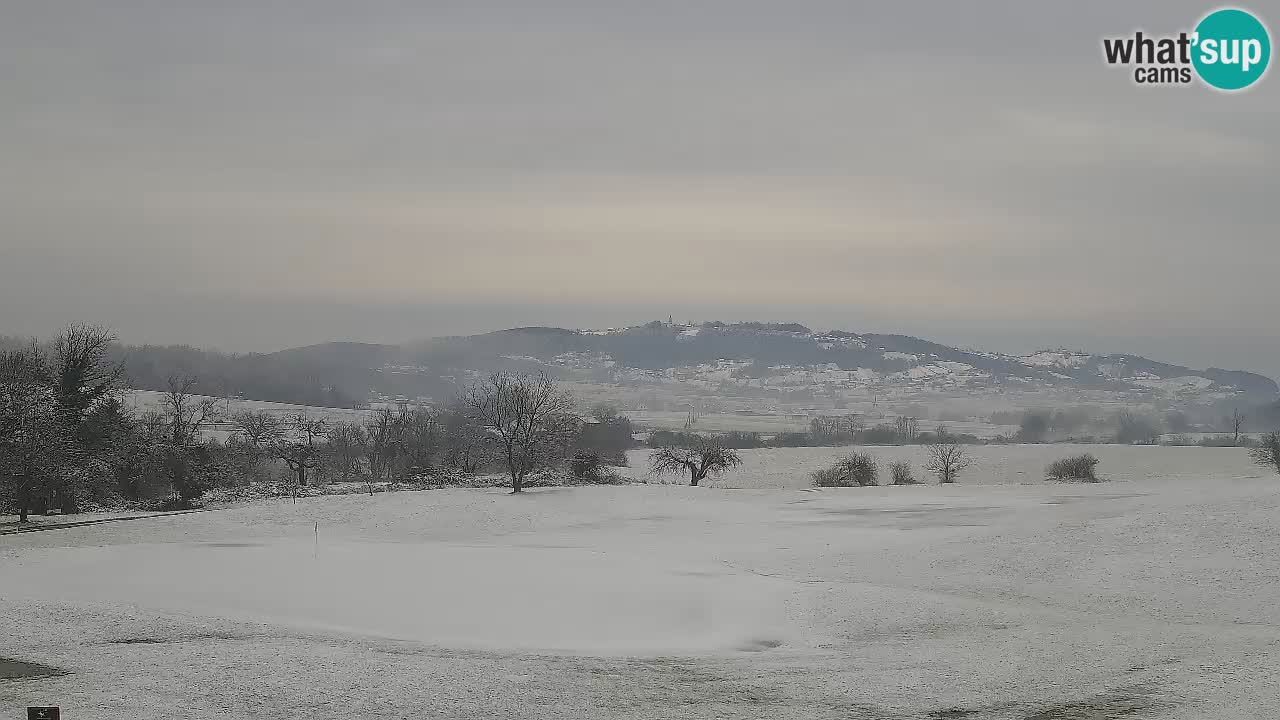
x=914, y=166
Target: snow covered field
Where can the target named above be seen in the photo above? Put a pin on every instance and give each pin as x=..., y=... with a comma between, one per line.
x=993, y=464
x=779, y=422
x=1004, y=597
x=220, y=426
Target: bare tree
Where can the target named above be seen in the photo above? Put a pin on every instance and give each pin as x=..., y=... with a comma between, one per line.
x=299, y=450
x=1237, y=424
x=380, y=429
x=259, y=429
x=526, y=415
x=153, y=424
x=707, y=456
x=185, y=414
x=252, y=441
x=466, y=441
x=828, y=430
x=309, y=428
x=420, y=438
x=948, y=460
x=908, y=428
x=1267, y=453
x=299, y=457
x=347, y=443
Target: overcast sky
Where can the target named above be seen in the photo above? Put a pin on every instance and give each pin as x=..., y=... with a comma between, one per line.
x=253, y=175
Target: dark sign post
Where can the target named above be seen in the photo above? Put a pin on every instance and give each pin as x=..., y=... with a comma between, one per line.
x=43, y=713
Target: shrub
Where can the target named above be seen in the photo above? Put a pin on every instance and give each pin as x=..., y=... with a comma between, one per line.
x=902, y=473
x=673, y=438
x=587, y=468
x=740, y=440
x=605, y=476
x=792, y=439
x=551, y=477
x=1076, y=467
x=828, y=477
x=1267, y=453
x=169, y=503
x=856, y=470
x=585, y=465
x=879, y=435
x=618, y=459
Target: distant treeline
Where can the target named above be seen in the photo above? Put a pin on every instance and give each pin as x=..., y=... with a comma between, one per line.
x=68, y=442
x=277, y=377
x=1130, y=426
x=251, y=376
x=1070, y=425
x=824, y=432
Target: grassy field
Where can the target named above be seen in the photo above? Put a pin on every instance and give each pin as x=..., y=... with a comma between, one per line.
x=1002, y=597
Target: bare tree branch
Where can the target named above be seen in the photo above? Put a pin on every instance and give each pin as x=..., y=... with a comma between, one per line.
x=707, y=456
x=527, y=416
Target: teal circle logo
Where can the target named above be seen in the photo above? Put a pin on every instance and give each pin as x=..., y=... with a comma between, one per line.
x=1231, y=49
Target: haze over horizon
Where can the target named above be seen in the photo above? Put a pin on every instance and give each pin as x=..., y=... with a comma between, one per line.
x=253, y=177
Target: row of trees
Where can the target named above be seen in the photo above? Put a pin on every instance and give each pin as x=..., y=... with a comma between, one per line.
x=827, y=431
x=60, y=426
x=66, y=438
x=1125, y=426
x=519, y=423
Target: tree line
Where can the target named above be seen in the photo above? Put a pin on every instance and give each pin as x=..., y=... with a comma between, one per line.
x=511, y=422
x=69, y=442
x=825, y=431
x=279, y=377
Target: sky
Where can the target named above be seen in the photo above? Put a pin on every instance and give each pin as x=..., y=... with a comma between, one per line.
x=259, y=175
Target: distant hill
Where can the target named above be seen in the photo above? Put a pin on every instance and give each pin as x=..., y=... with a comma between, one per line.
x=787, y=363
x=889, y=360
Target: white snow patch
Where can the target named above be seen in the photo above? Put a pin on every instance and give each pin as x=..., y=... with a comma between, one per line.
x=457, y=595
x=1056, y=358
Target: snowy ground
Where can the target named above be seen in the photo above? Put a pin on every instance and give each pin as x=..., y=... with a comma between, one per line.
x=992, y=464
x=1141, y=597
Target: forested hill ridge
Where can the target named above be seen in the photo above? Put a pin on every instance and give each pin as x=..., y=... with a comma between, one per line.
x=742, y=359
